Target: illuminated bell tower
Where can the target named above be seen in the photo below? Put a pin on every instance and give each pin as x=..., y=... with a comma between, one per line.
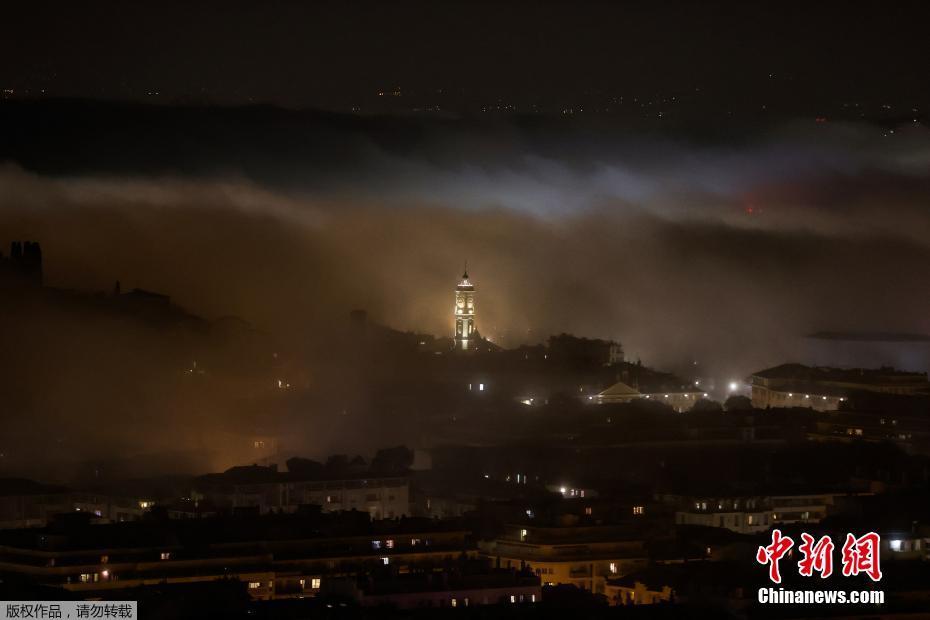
x=465, y=314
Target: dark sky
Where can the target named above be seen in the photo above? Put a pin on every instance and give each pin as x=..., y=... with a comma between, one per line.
x=340, y=54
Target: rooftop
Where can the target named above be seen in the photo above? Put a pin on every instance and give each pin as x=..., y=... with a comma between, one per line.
x=863, y=376
x=71, y=534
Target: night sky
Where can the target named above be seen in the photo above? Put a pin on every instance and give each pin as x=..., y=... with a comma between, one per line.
x=464, y=56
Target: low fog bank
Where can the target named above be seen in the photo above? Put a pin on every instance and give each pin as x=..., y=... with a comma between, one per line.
x=725, y=253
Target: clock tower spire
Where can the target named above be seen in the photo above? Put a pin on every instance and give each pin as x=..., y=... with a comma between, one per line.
x=465, y=332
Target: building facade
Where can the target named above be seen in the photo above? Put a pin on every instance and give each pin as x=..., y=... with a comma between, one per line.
x=381, y=498
x=439, y=590
x=582, y=556
x=279, y=556
x=751, y=515
x=823, y=389
x=677, y=398
x=38, y=509
x=464, y=313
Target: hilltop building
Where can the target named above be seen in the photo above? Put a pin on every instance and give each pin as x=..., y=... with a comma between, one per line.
x=635, y=381
x=823, y=389
x=572, y=350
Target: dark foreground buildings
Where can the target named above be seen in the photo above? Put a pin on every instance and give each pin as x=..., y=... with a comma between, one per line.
x=23, y=266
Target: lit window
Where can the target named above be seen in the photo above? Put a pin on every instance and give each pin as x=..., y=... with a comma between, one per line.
x=480, y=387
x=376, y=544
x=523, y=534
x=638, y=510
x=86, y=577
x=588, y=510
x=414, y=542
x=613, y=568
x=386, y=560
x=513, y=599
x=455, y=603
x=389, y=544
x=254, y=585
x=166, y=555
x=315, y=583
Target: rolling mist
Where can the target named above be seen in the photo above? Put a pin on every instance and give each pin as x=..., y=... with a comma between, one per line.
x=266, y=227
